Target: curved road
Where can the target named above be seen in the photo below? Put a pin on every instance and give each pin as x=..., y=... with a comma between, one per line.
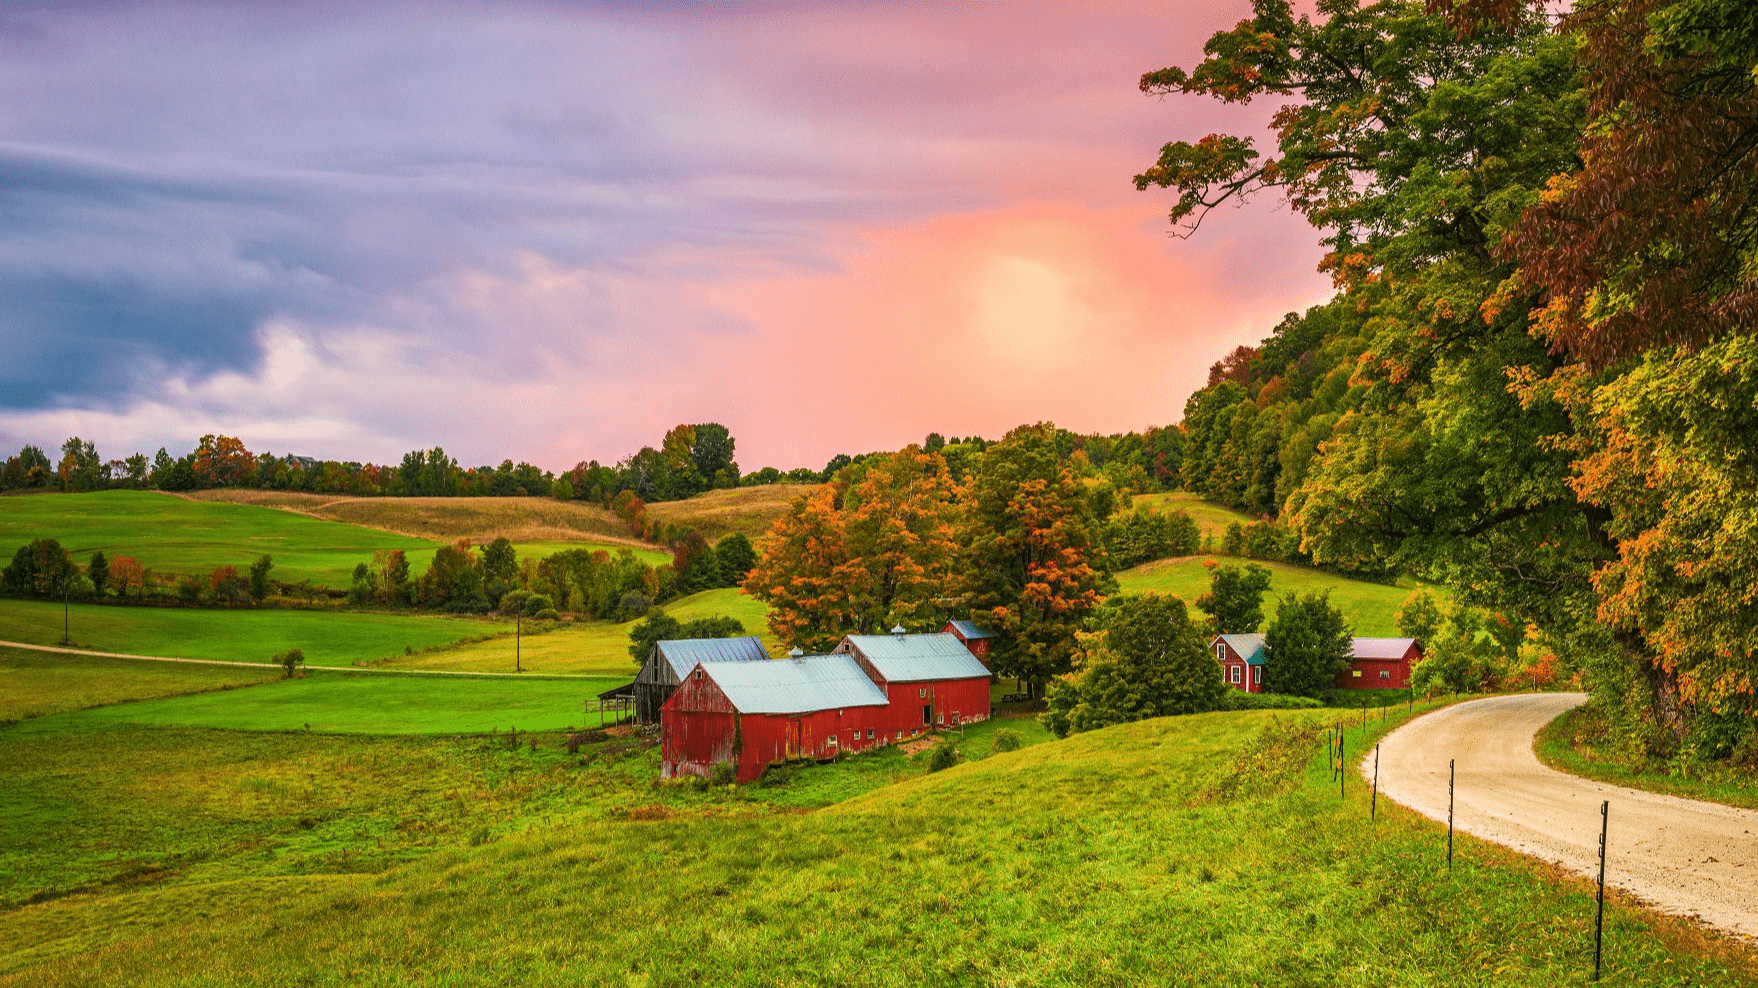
x=1679, y=855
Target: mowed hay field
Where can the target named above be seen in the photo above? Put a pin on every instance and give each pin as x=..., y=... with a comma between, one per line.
x=1370, y=608
x=751, y=510
x=327, y=638
x=540, y=525
x=1197, y=850
x=597, y=648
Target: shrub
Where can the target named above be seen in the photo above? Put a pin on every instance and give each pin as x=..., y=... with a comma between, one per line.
x=537, y=603
x=944, y=755
x=290, y=660
x=1005, y=740
x=723, y=774
x=547, y=614
x=1241, y=700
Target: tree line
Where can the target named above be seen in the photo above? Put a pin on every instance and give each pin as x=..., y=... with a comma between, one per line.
x=1536, y=381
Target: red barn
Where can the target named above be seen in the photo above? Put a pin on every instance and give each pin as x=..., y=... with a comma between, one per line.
x=753, y=714
x=1379, y=664
x=975, y=637
x=930, y=681
x=1242, y=661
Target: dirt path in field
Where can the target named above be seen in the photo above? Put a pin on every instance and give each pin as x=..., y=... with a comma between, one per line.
x=1678, y=855
x=58, y=650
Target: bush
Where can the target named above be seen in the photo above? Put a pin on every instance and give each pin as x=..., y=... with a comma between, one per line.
x=944, y=755
x=1241, y=700
x=1005, y=740
x=633, y=605
x=723, y=774
x=290, y=660
x=547, y=614
x=536, y=603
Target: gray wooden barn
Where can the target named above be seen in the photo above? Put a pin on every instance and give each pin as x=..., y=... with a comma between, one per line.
x=671, y=661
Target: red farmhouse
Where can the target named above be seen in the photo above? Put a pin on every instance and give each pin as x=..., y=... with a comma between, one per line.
x=1242, y=661
x=1380, y=664
x=931, y=681
x=975, y=637
x=750, y=714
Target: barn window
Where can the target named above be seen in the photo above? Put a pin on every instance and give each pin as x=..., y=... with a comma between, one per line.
x=1220, y=651
x=1257, y=674
x=922, y=693
x=1385, y=674
x=869, y=734
x=1358, y=674
x=831, y=740
x=1233, y=674
x=941, y=719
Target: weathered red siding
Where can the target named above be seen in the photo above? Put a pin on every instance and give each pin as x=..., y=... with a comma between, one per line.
x=701, y=729
x=918, y=707
x=1364, y=674
x=1234, y=661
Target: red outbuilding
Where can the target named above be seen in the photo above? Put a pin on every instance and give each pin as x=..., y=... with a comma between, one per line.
x=930, y=681
x=753, y=714
x=1242, y=661
x=1380, y=664
x=975, y=637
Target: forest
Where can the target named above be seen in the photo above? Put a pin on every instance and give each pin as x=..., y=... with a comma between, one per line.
x=1536, y=380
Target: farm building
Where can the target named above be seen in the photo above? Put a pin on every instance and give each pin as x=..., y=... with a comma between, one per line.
x=750, y=714
x=1380, y=664
x=670, y=661
x=930, y=680
x=975, y=637
x=1242, y=661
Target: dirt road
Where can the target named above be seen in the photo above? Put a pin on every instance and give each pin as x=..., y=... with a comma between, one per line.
x=1681, y=856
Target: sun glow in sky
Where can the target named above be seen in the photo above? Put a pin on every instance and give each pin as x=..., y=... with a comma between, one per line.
x=549, y=231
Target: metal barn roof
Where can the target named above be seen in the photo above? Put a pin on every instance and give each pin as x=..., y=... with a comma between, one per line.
x=970, y=629
x=685, y=653
x=1380, y=648
x=1250, y=647
x=917, y=658
x=795, y=686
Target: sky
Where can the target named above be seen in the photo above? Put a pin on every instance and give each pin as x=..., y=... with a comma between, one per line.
x=550, y=231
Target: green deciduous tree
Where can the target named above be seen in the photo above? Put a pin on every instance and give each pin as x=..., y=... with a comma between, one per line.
x=259, y=577
x=1235, y=598
x=1150, y=661
x=98, y=572
x=1306, y=646
x=1420, y=617
x=41, y=568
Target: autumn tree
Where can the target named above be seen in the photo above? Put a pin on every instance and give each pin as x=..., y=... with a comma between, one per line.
x=126, y=575
x=40, y=568
x=1028, y=529
x=1419, y=617
x=222, y=461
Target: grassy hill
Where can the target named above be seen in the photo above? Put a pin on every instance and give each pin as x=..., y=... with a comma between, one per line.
x=1198, y=850
x=182, y=535
x=1210, y=517
x=751, y=510
x=1370, y=608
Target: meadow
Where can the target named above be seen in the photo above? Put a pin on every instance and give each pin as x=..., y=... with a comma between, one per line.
x=751, y=510
x=37, y=684
x=327, y=638
x=179, y=535
x=1196, y=850
x=1370, y=608
x=592, y=648
x=1211, y=518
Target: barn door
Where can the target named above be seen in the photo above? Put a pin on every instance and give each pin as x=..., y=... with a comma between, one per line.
x=793, y=739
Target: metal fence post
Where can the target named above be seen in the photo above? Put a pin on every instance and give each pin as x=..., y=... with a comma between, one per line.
x=1373, y=812
x=1342, y=772
x=1450, y=776
x=1599, y=909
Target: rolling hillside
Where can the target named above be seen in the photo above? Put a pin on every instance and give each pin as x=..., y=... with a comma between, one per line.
x=1370, y=608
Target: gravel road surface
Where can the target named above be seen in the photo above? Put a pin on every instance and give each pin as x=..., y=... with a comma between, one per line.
x=1678, y=855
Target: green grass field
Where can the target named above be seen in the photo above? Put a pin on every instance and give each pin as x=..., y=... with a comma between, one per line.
x=596, y=648
x=1200, y=850
x=1210, y=517
x=36, y=684
x=173, y=535
x=1370, y=608
x=1579, y=742
x=364, y=704
x=326, y=638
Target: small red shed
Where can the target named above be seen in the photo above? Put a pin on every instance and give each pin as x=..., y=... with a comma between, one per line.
x=930, y=681
x=1242, y=661
x=1380, y=664
x=974, y=636
x=753, y=714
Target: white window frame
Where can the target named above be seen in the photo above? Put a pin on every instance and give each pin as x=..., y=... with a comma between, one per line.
x=1220, y=651
x=1257, y=675
x=831, y=740
x=1233, y=675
